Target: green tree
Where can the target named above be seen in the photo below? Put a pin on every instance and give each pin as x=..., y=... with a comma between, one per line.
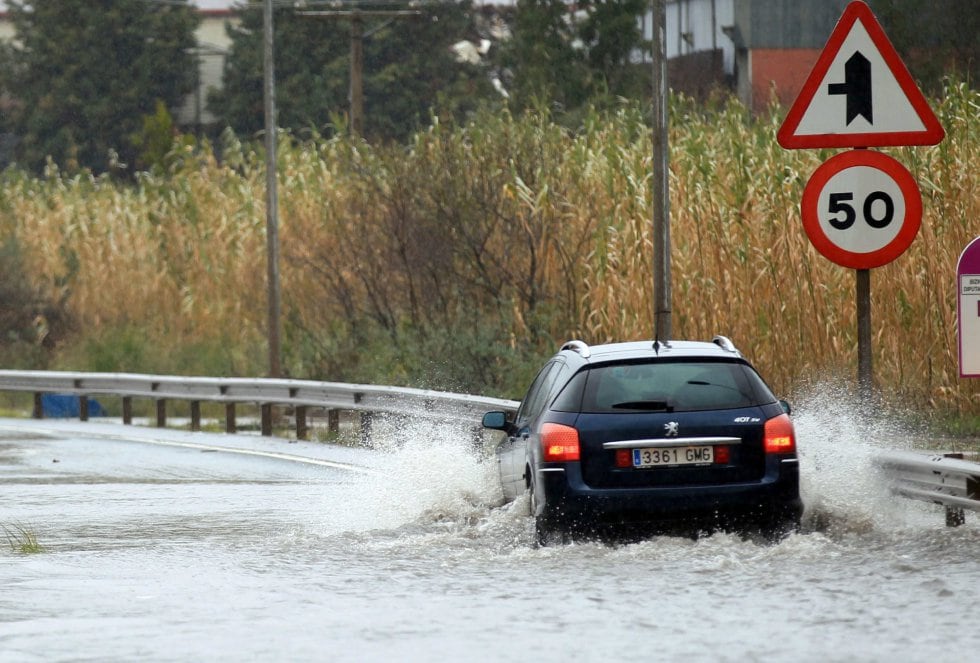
x=542, y=60
x=81, y=74
x=307, y=89
x=933, y=37
x=568, y=54
x=613, y=41
x=409, y=69
x=156, y=140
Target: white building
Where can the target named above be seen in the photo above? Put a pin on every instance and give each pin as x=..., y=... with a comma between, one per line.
x=213, y=45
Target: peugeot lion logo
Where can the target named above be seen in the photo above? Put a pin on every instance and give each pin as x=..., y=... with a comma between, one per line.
x=670, y=429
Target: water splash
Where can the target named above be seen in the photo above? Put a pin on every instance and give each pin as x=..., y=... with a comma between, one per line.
x=426, y=473
x=435, y=480
x=838, y=439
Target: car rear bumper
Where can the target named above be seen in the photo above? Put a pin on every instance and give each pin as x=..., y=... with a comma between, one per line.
x=570, y=503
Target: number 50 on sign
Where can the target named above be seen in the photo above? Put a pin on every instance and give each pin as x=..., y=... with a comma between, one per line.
x=861, y=209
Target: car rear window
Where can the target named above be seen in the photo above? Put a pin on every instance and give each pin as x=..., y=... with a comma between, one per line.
x=661, y=385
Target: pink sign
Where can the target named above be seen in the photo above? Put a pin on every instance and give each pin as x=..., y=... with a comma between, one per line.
x=968, y=309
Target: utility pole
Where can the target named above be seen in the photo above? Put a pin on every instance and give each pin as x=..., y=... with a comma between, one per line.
x=356, y=17
x=271, y=193
x=356, y=73
x=661, y=192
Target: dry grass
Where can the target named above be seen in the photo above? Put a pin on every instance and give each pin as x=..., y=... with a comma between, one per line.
x=512, y=228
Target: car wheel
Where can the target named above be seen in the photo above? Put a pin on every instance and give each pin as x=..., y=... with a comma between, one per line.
x=548, y=534
x=532, y=502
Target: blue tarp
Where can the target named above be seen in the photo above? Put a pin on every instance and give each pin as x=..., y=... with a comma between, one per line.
x=64, y=406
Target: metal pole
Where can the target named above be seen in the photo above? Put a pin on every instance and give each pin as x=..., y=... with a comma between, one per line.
x=271, y=194
x=661, y=199
x=356, y=74
x=865, y=381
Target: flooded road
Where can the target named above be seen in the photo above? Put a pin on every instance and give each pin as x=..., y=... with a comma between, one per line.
x=291, y=552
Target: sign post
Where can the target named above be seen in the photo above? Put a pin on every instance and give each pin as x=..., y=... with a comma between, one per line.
x=860, y=209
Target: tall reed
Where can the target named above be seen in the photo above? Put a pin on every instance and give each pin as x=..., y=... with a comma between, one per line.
x=477, y=248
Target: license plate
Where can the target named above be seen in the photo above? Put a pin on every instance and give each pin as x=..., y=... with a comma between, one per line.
x=672, y=456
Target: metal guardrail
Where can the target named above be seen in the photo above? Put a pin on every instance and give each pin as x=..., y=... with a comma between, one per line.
x=300, y=395
x=941, y=479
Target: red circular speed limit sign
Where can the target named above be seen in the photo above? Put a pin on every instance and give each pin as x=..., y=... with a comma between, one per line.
x=861, y=209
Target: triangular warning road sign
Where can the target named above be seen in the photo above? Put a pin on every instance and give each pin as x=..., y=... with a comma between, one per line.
x=859, y=94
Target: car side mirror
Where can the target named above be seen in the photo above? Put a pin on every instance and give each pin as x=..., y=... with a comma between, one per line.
x=495, y=420
x=786, y=406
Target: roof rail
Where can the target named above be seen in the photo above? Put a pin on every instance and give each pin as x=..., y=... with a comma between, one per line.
x=579, y=347
x=725, y=343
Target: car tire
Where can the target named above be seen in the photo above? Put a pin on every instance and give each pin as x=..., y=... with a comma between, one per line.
x=532, y=502
x=546, y=532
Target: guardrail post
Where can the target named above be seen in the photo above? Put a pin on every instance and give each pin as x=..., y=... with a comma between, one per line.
x=38, y=412
x=127, y=407
x=195, y=416
x=267, y=419
x=83, y=407
x=161, y=413
x=366, y=422
x=333, y=422
x=230, y=425
x=302, y=431
x=955, y=517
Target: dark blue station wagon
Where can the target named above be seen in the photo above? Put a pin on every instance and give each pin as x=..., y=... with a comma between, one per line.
x=651, y=436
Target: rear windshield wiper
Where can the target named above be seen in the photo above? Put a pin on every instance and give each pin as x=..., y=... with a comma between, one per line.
x=654, y=406
x=705, y=383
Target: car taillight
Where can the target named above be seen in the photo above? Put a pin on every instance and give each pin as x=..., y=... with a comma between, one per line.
x=780, y=437
x=624, y=458
x=559, y=443
x=723, y=455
